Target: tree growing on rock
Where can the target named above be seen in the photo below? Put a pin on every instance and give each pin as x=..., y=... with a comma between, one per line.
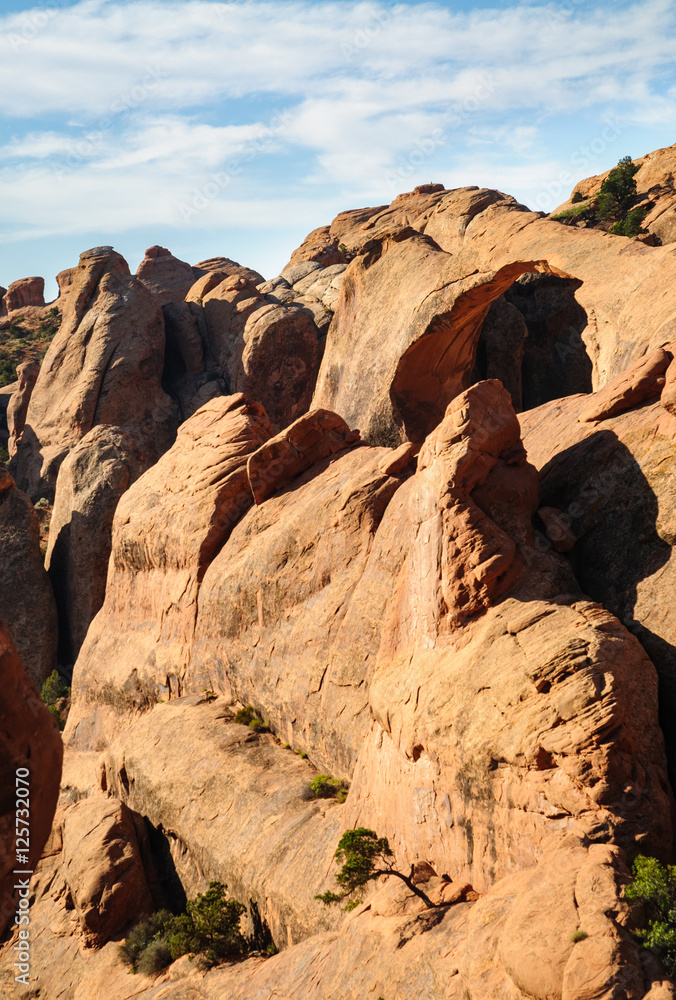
x=618, y=190
x=365, y=856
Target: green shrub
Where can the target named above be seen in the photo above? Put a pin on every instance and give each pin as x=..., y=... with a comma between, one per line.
x=578, y=935
x=618, y=190
x=365, y=856
x=631, y=226
x=576, y=197
x=570, y=213
x=654, y=885
x=210, y=925
x=142, y=935
x=4, y=455
x=155, y=957
x=54, y=688
x=249, y=717
x=326, y=787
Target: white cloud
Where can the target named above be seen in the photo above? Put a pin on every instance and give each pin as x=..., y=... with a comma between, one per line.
x=123, y=115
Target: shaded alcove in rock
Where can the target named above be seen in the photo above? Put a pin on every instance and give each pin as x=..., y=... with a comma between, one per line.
x=602, y=492
x=441, y=363
x=555, y=360
x=532, y=341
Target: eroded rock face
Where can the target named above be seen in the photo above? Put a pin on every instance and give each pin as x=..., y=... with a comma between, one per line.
x=26, y=600
x=17, y=407
x=103, y=869
x=30, y=747
x=465, y=675
x=238, y=802
x=501, y=348
x=168, y=527
x=402, y=342
x=90, y=483
x=103, y=367
x=167, y=277
x=270, y=352
x=613, y=483
x=284, y=582
x=24, y=292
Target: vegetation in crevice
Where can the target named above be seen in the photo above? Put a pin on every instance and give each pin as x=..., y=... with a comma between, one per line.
x=56, y=695
x=210, y=927
x=19, y=343
x=654, y=886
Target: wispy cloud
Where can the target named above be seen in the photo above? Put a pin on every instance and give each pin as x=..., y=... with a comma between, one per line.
x=125, y=111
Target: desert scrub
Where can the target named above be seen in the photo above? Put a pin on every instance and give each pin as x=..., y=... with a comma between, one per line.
x=326, y=787
x=578, y=935
x=209, y=926
x=56, y=695
x=571, y=212
x=654, y=885
x=365, y=856
x=19, y=343
x=249, y=717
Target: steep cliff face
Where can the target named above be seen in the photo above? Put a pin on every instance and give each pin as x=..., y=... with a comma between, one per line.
x=403, y=590
x=103, y=367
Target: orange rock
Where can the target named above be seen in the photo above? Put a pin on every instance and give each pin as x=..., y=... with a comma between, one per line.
x=24, y=292
x=103, y=868
x=168, y=527
x=308, y=440
x=167, y=277
x=103, y=366
x=17, y=408
x=31, y=750
x=642, y=381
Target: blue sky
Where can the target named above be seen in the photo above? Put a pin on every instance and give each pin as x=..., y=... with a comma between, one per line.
x=235, y=128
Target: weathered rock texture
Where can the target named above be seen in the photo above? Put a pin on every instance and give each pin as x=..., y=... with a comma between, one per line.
x=30, y=748
x=613, y=481
x=287, y=580
x=89, y=485
x=103, y=869
x=26, y=600
x=103, y=367
x=167, y=277
x=24, y=292
x=17, y=407
x=402, y=343
x=269, y=352
x=168, y=527
x=470, y=788
x=239, y=803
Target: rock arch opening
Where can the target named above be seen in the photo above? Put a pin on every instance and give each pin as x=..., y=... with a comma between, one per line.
x=442, y=363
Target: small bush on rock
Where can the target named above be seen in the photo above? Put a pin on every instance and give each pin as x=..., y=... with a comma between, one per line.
x=56, y=695
x=576, y=197
x=210, y=926
x=654, y=885
x=326, y=787
x=365, y=856
x=618, y=190
x=154, y=958
x=143, y=935
x=249, y=717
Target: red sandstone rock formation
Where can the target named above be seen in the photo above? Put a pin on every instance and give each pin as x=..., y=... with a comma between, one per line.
x=24, y=292
x=30, y=746
x=89, y=485
x=17, y=407
x=26, y=599
x=167, y=277
x=103, y=366
x=168, y=527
